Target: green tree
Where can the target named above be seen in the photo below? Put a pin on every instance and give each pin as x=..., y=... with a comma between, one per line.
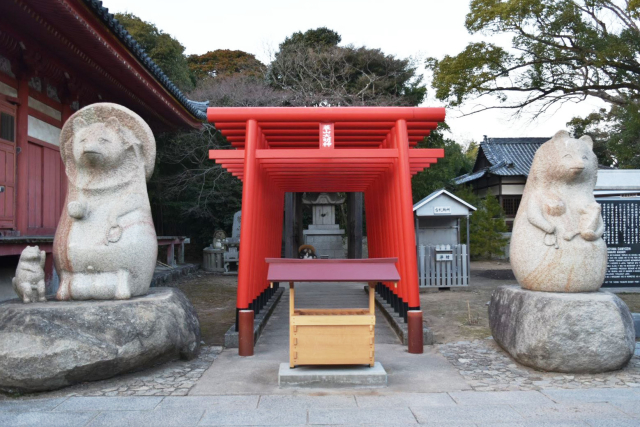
x=486, y=227
x=225, y=62
x=440, y=174
x=320, y=72
x=562, y=51
x=615, y=134
x=317, y=38
x=164, y=50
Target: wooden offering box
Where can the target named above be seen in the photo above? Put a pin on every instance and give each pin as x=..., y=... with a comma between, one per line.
x=338, y=336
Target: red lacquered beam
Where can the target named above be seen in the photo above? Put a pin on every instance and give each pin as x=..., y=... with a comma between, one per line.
x=320, y=114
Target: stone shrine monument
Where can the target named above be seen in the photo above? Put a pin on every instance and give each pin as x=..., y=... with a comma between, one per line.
x=324, y=234
x=232, y=246
x=557, y=320
x=106, y=320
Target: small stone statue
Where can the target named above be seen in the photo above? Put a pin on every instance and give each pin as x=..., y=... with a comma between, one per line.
x=105, y=245
x=557, y=244
x=29, y=280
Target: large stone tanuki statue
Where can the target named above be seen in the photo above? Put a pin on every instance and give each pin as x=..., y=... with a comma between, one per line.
x=557, y=233
x=105, y=245
x=556, y=320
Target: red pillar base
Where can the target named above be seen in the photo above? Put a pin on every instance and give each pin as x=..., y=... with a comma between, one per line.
x=416, y=336
x=245, y=333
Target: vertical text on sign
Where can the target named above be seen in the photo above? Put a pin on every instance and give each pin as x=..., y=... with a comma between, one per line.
x=327, y=136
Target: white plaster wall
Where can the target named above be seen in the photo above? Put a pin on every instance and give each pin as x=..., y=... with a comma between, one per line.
x=513, y=189
x=44, y=108
x=5, y=89
x=43, y=131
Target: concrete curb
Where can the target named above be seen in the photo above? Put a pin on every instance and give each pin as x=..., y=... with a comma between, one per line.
x=397, y=322
x=260, y=321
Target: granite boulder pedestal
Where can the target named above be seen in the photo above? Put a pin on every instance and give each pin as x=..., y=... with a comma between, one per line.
x=46, y=346
x=563, y=332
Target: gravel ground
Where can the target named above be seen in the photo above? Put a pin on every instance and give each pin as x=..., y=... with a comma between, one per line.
x=486, y=367
x=171, y=379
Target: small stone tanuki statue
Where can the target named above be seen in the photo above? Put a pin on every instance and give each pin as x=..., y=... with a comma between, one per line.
x=105, y=245
x=29, y=280
x=557, y=244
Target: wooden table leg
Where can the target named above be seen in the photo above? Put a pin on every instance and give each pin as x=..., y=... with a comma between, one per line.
x=292, y=332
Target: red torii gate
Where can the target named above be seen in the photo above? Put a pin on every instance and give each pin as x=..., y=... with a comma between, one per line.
x=326, y=149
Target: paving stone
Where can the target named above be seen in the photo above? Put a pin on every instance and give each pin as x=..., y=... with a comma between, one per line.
x=399, y=416
x=536, y=423
x=611, y=423
x=48, y=419
x=25, y=405
x=254, y=417
x=306, y=402
x=464, y=415
x=593, y=395
x=209, y=402
x=571, y=412
x=132, y=403
x=500, y=398
x=160, y=418
x=629, y=407
x=405, y=399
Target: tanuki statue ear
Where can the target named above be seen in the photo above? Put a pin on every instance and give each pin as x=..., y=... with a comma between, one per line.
x=79, y=123
x=587, y=139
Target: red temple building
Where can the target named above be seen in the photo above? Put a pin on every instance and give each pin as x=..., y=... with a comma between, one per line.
x=57, y=56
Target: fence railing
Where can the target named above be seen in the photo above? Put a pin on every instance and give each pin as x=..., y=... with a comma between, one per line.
x=443, y=266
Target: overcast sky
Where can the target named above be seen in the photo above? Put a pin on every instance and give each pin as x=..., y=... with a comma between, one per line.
x=417, y=28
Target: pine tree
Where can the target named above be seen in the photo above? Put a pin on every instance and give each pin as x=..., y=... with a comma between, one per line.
x=486, y=228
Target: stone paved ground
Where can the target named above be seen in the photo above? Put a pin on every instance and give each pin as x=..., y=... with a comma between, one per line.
x=486, y=367
x=172, y=379
x=567, y=408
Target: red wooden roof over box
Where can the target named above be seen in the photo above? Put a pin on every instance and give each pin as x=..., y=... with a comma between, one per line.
x=332, y=270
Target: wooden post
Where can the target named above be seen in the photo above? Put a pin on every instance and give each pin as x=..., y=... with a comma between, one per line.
x=181, y=253
x=171, y=261
x=354, y=216
x=22, y=156
x=416, y=334
x=289, y=238
x=372, y=298
x=292, y=331
x=245, y=333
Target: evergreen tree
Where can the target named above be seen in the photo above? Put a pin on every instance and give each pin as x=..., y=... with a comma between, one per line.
x=164, y=50
x=486, y=228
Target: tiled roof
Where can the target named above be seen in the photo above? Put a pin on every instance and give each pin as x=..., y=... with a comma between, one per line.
x=506, y=156
x=198, y=109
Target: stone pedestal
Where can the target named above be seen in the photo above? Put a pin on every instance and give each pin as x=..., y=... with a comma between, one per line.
x=326, y=239
x=45, y=346
x=359, y=376
x=324, y=234
x=587, y=332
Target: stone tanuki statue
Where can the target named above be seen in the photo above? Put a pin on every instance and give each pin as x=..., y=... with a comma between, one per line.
x=29, y=280
x=557, y=319
x=105, y=245
x=557, y=233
